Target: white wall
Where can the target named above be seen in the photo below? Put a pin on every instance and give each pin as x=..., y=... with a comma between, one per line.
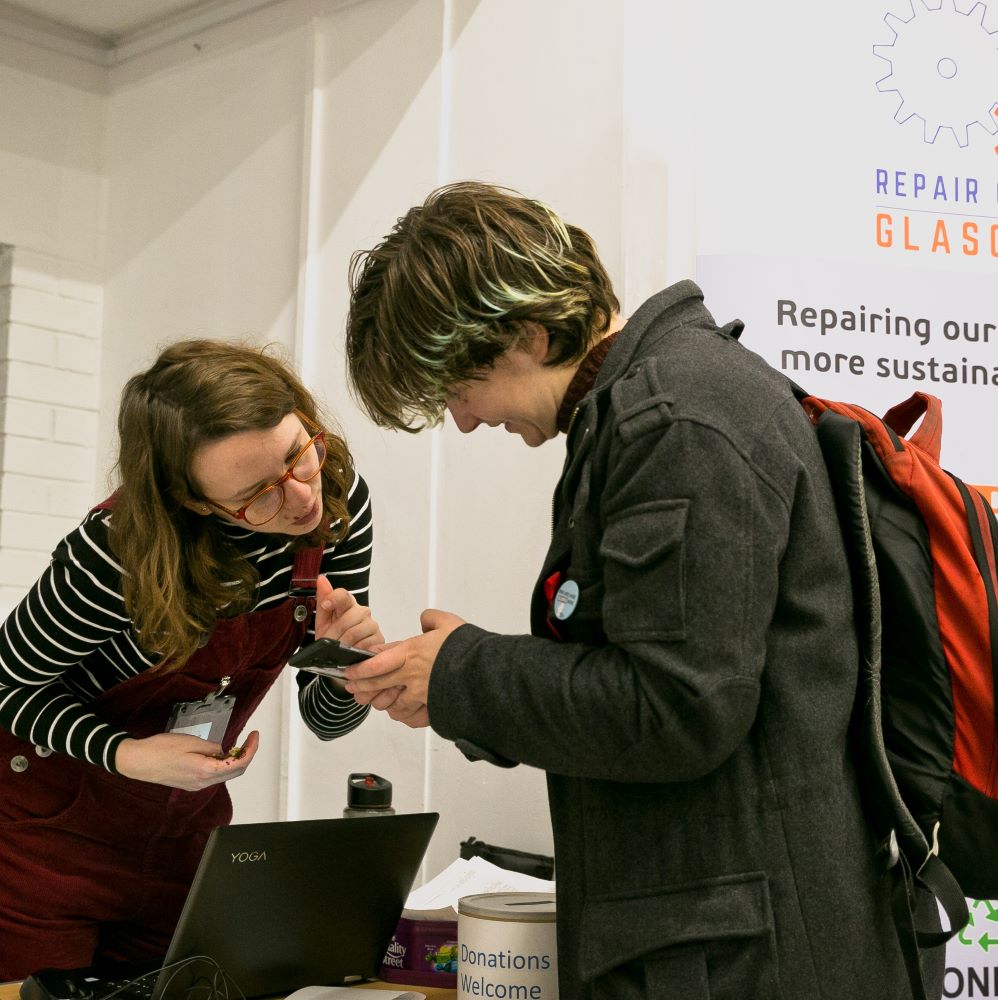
x=204, y=174
x=231, y=175
x=463, y=522
x=51, y=210
x=242, y=174
x=51, y=135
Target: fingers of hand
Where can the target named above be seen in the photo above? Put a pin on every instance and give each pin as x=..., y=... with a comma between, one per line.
x=228, y=765
x=377, y=673
x=236, y=760
x=324, y=606
x=414, y=716
x=404, y=704
x=330, y=606
x=431, y=618
x=385, y=699
x=340, y=601
x=340, y=617
x=359, y=628
x=323, y=590
x=399, y=712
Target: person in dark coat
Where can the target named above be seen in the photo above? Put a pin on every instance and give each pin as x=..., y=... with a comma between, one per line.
x=691, y=671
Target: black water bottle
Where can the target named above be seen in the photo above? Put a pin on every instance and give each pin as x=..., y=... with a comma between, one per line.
x=368, y=795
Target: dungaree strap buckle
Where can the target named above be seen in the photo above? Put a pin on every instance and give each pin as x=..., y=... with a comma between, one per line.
x=303, y=574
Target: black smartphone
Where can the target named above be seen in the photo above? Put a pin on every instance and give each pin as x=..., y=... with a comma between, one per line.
x=328, y=657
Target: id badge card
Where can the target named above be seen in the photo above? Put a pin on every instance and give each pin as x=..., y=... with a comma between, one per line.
x=208, y=718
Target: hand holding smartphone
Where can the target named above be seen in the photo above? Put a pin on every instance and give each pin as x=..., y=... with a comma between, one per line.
x=328, y=657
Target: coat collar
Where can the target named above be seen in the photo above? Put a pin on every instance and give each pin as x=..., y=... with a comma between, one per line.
x=683, y=300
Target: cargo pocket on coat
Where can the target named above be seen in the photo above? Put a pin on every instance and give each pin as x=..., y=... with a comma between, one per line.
x=711, y=940
x=643, y=553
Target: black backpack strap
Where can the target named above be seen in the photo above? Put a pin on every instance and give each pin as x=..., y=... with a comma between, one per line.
x=900, y=838
x=984, y=539
x=939, y=881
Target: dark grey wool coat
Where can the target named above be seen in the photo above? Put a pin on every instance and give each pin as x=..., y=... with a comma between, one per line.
x=692, y=721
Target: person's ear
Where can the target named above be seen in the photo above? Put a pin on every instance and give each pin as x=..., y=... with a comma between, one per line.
x=537, y=342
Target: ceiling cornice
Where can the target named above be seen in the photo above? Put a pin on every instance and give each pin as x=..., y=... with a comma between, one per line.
x=27, y=27
x=114, y=50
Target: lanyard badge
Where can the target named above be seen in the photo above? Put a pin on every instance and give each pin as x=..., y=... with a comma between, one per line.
x=208, y=718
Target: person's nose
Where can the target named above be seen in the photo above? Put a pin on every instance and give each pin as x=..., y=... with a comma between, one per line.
x=463, y=420
x=297, y=493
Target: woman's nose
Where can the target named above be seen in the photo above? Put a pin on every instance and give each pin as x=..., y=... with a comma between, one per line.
x=295, y=490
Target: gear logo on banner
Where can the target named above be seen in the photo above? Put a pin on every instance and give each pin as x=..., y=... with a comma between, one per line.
x=944, y=69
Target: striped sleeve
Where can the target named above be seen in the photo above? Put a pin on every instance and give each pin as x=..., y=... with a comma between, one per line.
x=327, y=711
x=74, y=608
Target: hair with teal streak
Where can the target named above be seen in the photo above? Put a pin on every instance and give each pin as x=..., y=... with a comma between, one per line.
x=455, y=285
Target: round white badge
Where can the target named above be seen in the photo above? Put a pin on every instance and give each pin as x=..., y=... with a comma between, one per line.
x=565, y=600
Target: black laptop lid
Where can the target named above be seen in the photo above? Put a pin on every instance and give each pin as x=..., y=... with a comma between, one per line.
x=298, y=903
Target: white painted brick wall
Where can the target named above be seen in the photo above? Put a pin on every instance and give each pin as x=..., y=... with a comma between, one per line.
x=47, y=384
x=77, y=354
x=64, y=278
x=30, y=344
x=50, y=329
x=74, y=426
x=19, y=568
x=24, y=493
x=73, y=499
x=48, y=459
x=53, y=312
x=33, y=532
x=27, y=419
x=9, y=596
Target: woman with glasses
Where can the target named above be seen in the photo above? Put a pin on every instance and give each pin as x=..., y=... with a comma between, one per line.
x=238, y=530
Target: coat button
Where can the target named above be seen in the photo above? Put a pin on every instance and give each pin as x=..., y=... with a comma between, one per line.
x=300, y=613
x=19, y=763
x=43, y=751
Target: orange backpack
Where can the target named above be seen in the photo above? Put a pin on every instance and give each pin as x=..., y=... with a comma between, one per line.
x=922, y=546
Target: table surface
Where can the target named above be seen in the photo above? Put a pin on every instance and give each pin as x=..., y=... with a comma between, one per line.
x=10, y=991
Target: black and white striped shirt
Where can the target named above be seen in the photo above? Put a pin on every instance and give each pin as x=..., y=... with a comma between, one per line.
x=71, y=639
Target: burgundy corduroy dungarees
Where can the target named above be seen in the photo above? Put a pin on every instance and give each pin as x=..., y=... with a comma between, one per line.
x=97, y=865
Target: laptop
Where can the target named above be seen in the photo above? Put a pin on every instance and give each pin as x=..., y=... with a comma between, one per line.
x=278, y=906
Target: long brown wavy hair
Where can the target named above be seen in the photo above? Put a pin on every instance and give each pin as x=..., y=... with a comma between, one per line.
x=179, y=566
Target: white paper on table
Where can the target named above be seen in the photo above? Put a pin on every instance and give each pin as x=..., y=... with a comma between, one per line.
x=438, y=898
x=352, y=993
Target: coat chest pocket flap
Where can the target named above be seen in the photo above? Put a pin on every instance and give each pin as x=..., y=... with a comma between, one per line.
x=643, y=552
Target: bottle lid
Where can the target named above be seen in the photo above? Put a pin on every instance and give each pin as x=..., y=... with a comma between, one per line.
x=368, y=791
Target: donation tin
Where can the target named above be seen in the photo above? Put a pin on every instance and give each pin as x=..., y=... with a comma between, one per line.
x=507, y=949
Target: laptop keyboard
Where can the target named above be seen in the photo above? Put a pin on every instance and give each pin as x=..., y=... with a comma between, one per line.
x=137, y=987
x=193, y=979
x=87, y=984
